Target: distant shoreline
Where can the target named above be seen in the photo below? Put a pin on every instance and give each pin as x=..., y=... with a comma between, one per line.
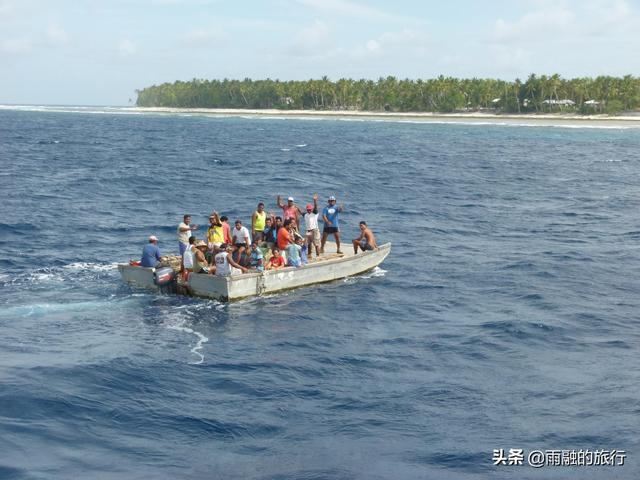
x=427, y=117
x=479, y=118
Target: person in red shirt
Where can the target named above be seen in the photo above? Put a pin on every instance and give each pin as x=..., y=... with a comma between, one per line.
x=226, y=229
x=276, y=261
x=284, y=235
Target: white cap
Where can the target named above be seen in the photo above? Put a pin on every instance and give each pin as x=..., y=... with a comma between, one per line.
x=332, y=198
x=153, y=238
x=290, y=199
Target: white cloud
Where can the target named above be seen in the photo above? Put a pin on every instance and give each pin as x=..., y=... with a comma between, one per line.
x=312, y=41
x=6, y=7
x=315, y=34
x=204, y=36
x=127, y=47
x=568, y=21
x=616, y=14
x=358, y=11
x=16, y=46
x=372, y=46
x=404, y=42
x=56, y=34
x=345, y=8
x=532, y=25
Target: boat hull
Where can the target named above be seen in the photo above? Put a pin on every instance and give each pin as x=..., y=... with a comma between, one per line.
x=236, y=287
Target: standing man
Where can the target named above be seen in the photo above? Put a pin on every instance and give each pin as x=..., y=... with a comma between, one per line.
x=226, y=228
x=184, y=232
x=258, y=220
x=290, y=210
x=331, y=219
x=312, y=231
x=366, y=240
x=151, y=253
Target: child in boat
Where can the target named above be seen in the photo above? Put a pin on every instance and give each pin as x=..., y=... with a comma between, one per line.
x=276, y=261
x=303, y=251
x=293, y=254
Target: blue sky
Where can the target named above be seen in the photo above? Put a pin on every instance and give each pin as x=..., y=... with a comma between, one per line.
x=92, y=52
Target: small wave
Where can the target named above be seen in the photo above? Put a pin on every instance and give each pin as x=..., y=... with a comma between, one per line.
x=94, y=267
x=285, y=149
x=43, y=277
x=43, y=309
x=375, y=272
x=301, y=145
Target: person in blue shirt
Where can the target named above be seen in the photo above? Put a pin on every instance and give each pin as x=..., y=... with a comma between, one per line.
x=151, y=253
x=303, y=252
x=331, y=219
x=257, y=259
x=269, y=234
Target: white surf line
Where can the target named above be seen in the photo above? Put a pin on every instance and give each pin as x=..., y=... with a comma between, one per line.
x=198, y=346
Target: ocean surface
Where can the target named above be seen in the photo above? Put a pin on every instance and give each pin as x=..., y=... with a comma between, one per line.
x=506, y=317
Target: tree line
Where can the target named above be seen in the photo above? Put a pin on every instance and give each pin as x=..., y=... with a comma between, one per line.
x=544, y=93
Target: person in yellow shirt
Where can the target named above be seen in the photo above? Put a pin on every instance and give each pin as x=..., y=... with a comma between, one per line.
x=215, y=232
x=258, y=220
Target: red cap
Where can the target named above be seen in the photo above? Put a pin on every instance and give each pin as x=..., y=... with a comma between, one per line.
x=309, y=206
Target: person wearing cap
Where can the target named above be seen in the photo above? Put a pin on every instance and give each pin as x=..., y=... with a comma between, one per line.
x=366, y=240
x=312, y=231
x=331, y=219
x=290, y=210
x=150, y=253
x=240, y=239
x=225, y=265
x=184, y=232
x=200, y=264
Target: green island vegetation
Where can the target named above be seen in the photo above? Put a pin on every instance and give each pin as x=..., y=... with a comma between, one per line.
x=538, y=94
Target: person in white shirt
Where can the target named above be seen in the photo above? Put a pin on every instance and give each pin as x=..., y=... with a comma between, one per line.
x=184, y=232
x=312, y=231
x=240, y=239
x=225, y=265
x=187, y=257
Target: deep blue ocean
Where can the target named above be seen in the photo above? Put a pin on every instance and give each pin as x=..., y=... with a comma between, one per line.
x=506, y=317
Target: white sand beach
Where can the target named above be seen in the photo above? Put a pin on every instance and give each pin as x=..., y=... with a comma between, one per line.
x=427, y=117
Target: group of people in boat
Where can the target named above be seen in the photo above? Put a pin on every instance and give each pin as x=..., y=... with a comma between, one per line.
x=272, y=243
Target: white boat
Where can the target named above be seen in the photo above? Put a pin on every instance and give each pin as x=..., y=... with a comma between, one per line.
x=328, y=267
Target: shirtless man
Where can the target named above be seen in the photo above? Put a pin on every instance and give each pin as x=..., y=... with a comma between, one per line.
x=366, y=240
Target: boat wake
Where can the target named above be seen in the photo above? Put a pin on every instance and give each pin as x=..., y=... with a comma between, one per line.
x=202, y=339
x=183, y=322
x=68, y=273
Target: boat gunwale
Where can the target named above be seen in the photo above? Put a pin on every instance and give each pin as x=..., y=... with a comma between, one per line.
x=243, y=276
